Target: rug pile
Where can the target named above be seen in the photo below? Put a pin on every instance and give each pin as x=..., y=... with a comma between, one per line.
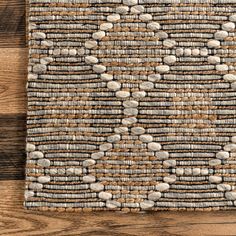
x=131, y=105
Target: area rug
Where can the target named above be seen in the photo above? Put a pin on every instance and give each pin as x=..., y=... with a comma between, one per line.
x=131, y=105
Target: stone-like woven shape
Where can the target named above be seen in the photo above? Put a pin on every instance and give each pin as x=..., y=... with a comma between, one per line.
x=131, y=105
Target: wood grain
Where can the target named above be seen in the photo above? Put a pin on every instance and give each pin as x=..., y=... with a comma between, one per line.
x=12, y=112
x=13, y=71
x=12, y=23
x=17, y=221
x=12, y=146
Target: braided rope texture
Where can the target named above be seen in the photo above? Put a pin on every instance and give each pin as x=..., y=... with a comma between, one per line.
x=131, y=105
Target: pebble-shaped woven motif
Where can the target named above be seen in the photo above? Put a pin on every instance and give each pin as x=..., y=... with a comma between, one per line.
x=131, y=105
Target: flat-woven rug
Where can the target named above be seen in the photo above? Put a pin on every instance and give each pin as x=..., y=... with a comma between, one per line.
x=131, y=105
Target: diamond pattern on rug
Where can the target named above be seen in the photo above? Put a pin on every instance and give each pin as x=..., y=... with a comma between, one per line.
x=131, y=105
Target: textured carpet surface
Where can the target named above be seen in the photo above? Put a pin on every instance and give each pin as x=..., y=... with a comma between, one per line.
x=131, y=105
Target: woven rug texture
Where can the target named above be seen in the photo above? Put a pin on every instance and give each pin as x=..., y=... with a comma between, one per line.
x=131, y=105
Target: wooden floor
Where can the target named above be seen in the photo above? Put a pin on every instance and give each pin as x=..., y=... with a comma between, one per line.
x=14, y=219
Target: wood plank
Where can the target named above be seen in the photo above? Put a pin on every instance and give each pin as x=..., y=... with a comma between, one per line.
x=12, y=146
x=13, y=73
x=13, y=70
x=17, y=221
x=12, y=23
